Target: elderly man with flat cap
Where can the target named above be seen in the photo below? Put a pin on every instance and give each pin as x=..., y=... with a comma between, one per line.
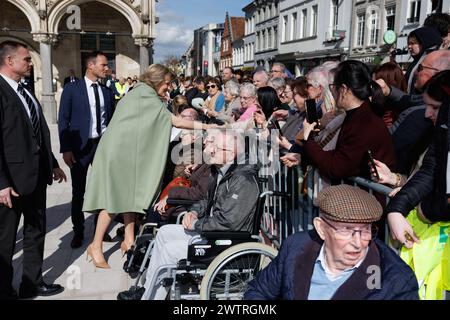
x=340, y=260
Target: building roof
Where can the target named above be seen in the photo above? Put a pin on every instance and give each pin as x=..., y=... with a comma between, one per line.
x=237, y=28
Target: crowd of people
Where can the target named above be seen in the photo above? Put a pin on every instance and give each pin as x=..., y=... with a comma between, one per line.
x=336, y=118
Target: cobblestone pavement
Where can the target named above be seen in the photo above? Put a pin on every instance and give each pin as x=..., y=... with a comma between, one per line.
x=67, y=266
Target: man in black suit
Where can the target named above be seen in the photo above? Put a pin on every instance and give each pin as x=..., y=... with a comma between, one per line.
x=27, y=165
x=85, y=110
x=70, y=78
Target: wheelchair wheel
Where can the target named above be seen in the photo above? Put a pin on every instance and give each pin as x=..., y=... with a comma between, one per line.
x=228, y=274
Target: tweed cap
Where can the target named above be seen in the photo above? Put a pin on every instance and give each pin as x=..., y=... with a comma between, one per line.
x=345, y=203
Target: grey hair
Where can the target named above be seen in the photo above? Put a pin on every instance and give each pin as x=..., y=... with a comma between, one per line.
x=264, y=73
x=319, y=76
x=281, y=65
x=277, y=83
x=233, y=88
x=249, y=88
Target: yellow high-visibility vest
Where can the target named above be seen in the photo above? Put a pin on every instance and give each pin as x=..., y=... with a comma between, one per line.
x=121, y=90
x=430, y=259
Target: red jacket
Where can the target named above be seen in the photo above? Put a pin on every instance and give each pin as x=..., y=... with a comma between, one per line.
x=362, y=130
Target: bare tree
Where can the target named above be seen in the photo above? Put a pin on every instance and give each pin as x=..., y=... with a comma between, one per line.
x=173, y=62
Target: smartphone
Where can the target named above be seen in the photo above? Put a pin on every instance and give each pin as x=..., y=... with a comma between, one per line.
x=311, y=111
x=372, y=165
x=276, y=125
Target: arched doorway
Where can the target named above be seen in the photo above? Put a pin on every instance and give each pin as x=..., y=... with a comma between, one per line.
x=14, y=25
x=102, y=28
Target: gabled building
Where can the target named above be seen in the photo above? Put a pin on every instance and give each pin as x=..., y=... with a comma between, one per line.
x=234, y=28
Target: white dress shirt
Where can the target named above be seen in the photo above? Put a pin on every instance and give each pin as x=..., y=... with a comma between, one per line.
x=15, y=85
x=93, y=125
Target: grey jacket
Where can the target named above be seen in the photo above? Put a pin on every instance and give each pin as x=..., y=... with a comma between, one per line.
x=234, y=202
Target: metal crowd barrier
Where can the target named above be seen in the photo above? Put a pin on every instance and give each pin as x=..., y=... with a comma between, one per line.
x=293, y=208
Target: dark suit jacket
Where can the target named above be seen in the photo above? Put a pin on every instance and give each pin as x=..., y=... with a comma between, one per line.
x=74, y=120
x=67, y=80
x=288, y=276
x=19, y=155
x=362, y=130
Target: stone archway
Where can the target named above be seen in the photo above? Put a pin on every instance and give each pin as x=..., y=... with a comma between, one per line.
x=30, y=12
x=60, y=9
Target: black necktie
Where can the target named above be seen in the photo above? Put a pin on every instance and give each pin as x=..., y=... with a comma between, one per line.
x=97, y=109
x=33, y=114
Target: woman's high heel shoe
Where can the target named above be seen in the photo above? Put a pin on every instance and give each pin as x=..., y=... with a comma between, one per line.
x=98, y=264
x=123, y=248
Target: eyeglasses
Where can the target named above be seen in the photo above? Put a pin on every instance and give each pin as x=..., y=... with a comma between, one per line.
x=347, y=233
x=273, y=71
x=420, y=67
x=245, y=98
x=215, y=148
x=212, y=86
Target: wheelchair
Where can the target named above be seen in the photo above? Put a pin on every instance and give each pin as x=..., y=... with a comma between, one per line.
x=218, y=266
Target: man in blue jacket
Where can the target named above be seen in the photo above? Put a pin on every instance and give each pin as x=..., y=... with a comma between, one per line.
x=85, y=111
x=340, y=260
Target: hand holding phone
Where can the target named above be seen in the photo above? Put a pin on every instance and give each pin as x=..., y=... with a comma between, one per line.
x=311, y=111
x=372, y=166
x=275, y=125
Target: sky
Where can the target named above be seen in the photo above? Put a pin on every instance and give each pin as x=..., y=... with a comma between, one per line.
x=179, y=18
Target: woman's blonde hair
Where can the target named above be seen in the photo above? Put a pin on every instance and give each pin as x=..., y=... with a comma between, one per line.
x=154, y=75
x=177, y=102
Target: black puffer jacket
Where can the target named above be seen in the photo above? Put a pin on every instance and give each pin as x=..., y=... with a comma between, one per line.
x=428, y=185
x=233, y=203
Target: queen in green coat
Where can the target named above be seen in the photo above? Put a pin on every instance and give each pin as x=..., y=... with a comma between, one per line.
x=130, y=159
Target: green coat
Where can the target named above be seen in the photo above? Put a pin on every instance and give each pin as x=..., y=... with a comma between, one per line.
x=130, y=159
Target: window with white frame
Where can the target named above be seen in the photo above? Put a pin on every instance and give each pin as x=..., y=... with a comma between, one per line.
x=269, y=12
x=303, y=23
x=374, y=27
x=284, y=29
x=314, y=21
x=293, y=33
x=360, y=22
x=390, y=18
x=334, y=14
x=414, y=11
x=436, y=6
x=275, y=37
x=263, y=41
x=269, y=39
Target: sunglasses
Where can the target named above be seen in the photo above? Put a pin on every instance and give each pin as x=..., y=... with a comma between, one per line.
x=212, y=86
x=420, y=67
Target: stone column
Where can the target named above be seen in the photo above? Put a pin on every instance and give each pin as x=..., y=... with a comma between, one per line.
x=145, y=50
x=48, y=100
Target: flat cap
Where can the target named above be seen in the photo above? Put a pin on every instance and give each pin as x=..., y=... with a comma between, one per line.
x=345, y=203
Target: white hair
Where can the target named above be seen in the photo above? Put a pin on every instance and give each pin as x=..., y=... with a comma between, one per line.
x=263, y=73
x=249, y=88
x=232, y=87
x=320, y=76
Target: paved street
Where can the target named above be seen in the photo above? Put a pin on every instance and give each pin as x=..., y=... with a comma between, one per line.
x=67, y=266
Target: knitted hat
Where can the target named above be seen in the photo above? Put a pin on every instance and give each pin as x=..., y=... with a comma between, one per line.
x=345, y=203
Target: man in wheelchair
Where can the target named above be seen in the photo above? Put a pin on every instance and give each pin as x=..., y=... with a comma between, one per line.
x=232, y=200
